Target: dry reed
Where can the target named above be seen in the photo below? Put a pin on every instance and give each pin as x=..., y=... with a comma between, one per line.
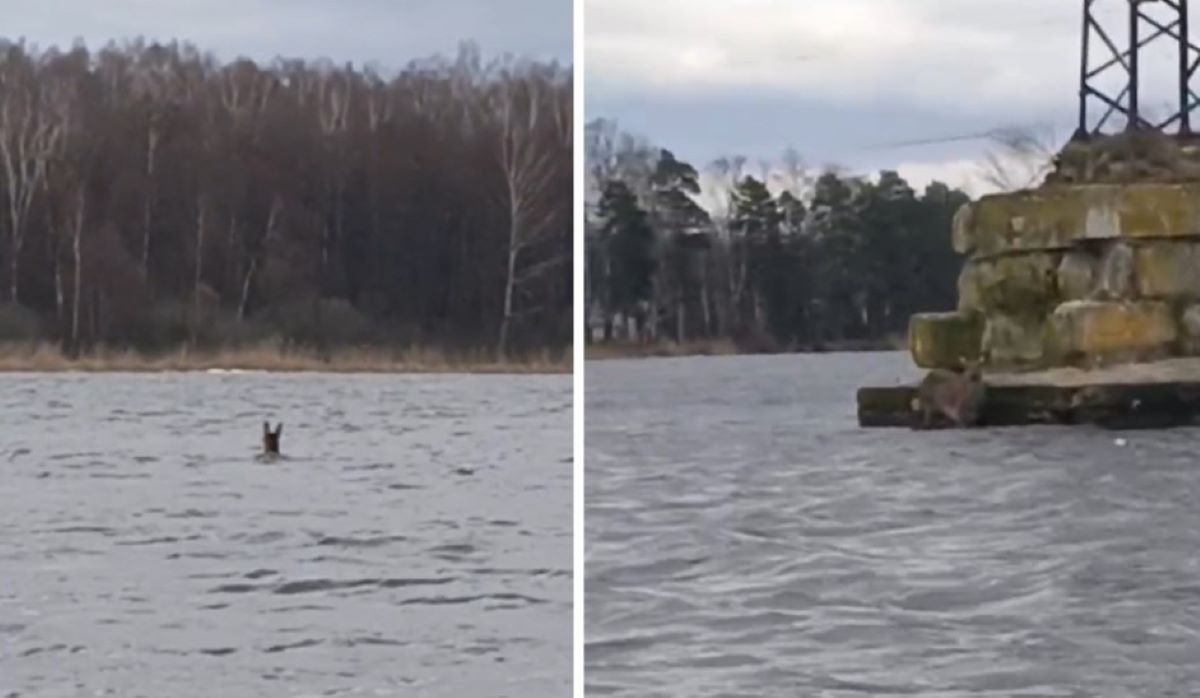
x=729, y=347
x=48, y=358
x=632, y=350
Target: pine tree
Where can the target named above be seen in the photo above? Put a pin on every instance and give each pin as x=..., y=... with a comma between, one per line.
x=628, y=241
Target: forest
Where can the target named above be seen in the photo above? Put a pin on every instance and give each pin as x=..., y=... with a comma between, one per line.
x=762, y=256
x=154, y=197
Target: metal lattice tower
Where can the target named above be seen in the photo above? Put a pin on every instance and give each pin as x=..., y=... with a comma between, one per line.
x=1103, y=57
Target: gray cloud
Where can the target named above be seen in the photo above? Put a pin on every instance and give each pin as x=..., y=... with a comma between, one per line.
x=839, y=80
x=387, y=32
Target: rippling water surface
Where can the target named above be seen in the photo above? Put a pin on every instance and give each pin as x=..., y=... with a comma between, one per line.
x=746, y=538
x=415, y=541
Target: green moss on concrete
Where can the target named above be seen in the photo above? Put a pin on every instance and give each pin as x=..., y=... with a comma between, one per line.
x=1078, y=274
x=1055, y=217
x=945, y=340
x=1032, y=220
x=1189, y=330
x=969, y=299
x=1167, y=269
x=1091, y=329
x=1025, y=284
x=1014, y=341
x=1158, y=210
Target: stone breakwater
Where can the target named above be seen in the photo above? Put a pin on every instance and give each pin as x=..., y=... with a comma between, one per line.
x=1072, y=275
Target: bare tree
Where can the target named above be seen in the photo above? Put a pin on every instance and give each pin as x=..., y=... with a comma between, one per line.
x=67, y=177
x=256, y=261
x=30, y=135
x=534, y=124
x=1019, y=158
x=333, y=100
x=146, y=183
x=792, y=175
x=600, y=151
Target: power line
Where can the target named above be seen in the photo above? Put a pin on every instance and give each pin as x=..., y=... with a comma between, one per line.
x=990, y=133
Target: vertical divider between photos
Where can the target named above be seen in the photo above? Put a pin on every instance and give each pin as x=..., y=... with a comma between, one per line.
x=577, y=123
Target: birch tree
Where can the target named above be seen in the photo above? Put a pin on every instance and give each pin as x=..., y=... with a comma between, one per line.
x=147, y=182
x=73, y=106
x=533, y=127
x=31, y=133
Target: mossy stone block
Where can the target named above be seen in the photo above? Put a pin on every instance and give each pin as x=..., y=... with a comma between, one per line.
x=945, y=340
x=1055, y=217
x=1077, y=274
x=1085, y=329
x=1024, y=284
x=1014, y=341
x=1168, y=270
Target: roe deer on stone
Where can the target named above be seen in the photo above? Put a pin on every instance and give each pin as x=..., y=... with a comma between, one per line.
x=958, y=396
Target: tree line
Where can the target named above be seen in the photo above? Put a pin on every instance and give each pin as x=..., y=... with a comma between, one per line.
x=765, y=255
x=152, y=196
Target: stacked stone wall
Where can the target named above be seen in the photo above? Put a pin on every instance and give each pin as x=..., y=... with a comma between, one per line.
x=1072, y=274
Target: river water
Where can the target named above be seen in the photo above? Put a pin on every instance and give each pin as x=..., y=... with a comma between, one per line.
x=746, y=538
x=414, y=541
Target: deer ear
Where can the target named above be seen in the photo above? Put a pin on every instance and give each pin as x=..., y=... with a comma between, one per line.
x=266, y=428
x=279, y=430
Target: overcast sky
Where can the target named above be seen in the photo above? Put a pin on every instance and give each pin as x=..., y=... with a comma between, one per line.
x=838, y=79
x=387, y=32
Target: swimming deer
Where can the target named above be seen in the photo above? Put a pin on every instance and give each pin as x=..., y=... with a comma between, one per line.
x=270, y=440
x=958, y=396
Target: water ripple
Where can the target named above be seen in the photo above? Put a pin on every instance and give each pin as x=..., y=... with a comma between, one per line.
x=746, y=538
x=145, y=551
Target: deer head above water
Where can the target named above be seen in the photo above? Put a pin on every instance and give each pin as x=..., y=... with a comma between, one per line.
x=270, y=439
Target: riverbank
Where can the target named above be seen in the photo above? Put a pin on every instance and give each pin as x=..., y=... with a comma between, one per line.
x=727, y=347
x=48, y=358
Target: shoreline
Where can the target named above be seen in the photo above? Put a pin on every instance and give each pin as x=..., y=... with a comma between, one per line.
x=614, y=351
x=49, y=359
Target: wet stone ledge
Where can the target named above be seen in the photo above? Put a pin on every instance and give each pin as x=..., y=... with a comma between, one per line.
x=1109, y=405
